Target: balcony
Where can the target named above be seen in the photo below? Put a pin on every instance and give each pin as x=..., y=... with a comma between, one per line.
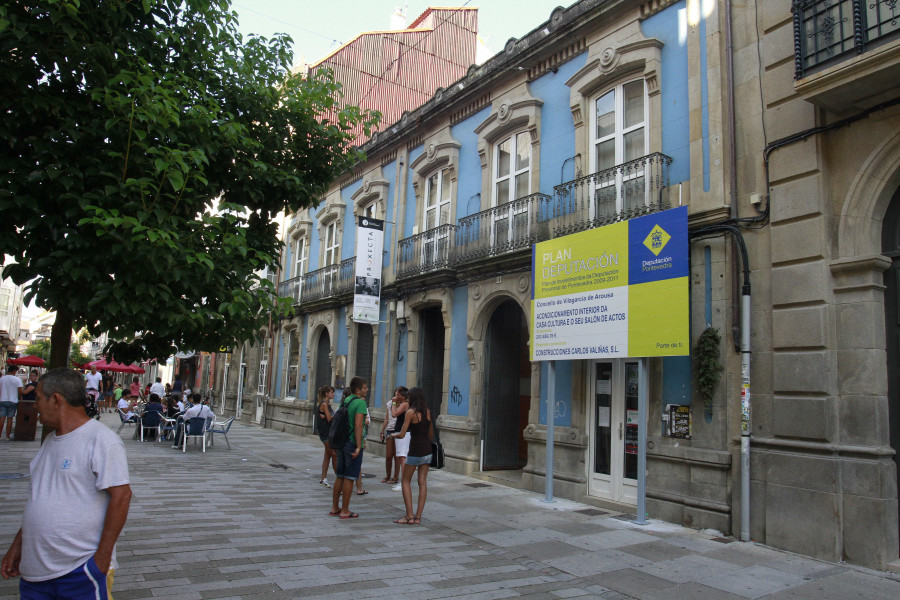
x=503, y=230
x=845, y=52
x=428, y=252
x=320, y=285
x=632, y=189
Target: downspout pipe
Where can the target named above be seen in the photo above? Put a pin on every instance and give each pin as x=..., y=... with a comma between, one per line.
x=745, y=368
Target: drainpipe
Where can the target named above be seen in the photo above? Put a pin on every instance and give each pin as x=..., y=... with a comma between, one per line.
x=745, y=369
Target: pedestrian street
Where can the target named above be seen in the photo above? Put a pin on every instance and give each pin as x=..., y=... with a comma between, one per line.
x=252, y=522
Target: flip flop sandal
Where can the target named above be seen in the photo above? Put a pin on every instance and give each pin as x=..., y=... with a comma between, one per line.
x=362, y=493
x=334, y=514
x=404, y=521
x=385, y=480
x=352, y=515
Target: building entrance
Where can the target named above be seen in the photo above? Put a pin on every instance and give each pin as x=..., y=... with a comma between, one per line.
x=507, y=394
x=323, y=363
x=431, y=358
x=890, y=247
x=613, y=423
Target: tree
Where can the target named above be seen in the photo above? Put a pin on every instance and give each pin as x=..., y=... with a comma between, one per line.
x=146, y=149
x=39, y=348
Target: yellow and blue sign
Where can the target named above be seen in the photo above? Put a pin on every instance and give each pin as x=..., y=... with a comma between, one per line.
x=613, y=292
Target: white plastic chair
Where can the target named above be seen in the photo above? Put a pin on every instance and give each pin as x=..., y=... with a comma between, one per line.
x=125, y=421
x=221, y=427
x=166, y=424
x=196, y=427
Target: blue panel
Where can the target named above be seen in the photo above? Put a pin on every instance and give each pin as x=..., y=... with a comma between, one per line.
x=670, y=259
x=707, y=288
x=277, y=365
x=390, y=174
x=458, y=402
x=381, y=343
x=704, y=103
x=304, y=368
x=313, y=251
x=557, y=128
x=288, y=259
x=667, y=27
x=348, y=235
x=410, y=220
x=342, y=341
x=468, y=192
x=563, y=393
x=676, y=380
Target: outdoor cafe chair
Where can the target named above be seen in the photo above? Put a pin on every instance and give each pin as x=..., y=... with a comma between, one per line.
x=125, y=421
x=196, y=427
x=166, y=424
x=150, y=422
x=220, y=427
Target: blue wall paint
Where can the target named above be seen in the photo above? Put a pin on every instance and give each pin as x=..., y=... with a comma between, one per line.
x=704, y=103
x=468, y=184
x=673, y=83
x=557, y=128
x=342, y=341
x=288, y=260
x=563, y=393
x=348, y=235
x=303, y=376
x=313, y=250
x=459, y=354
x=390, y=174
x=410, y=196
x=381, y=342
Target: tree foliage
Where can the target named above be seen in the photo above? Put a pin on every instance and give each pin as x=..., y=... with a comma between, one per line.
x=146, y=148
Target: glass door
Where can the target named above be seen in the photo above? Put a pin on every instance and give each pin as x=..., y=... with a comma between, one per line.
x=614, y=430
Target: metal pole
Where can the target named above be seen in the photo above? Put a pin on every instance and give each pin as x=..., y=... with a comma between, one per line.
x=551, y=410
x=745, y=415
x=642, y=443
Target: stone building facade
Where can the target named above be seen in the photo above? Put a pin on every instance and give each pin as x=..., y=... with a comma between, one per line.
x=607, y=111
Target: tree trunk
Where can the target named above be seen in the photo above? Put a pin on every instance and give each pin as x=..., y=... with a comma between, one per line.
x=61, y=338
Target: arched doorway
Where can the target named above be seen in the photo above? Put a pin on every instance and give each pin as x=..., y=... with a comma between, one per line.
x=431, y=358
x=890, y=247
x=323, y=361
x=507, y=393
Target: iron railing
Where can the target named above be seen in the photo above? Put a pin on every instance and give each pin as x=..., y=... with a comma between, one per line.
x=505, y=228
x=826, y=30
x=625, y=191
x=291, y=288
x=328, y=281
x=425, y=252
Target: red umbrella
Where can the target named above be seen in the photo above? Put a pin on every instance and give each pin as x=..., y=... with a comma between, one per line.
x=110, y=366
x=27, y=361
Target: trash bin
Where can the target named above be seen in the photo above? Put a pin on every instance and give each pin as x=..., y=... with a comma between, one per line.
x=26, y=421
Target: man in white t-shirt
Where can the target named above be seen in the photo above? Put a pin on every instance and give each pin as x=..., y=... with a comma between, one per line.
x=10, y=394
x=79, y=500
x=199, y=409
x=126, y=407
x=158, y=388
x=93, y=380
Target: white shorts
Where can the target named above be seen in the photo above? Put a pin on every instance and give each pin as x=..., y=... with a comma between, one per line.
x=402, y=445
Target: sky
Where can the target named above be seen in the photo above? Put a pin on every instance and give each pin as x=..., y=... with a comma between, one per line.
x=318, y=27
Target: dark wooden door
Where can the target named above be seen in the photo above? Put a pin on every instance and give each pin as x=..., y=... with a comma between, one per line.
x=890, y=245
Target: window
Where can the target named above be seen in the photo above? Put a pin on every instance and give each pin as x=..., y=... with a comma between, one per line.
x=618, y=134
x=331, y=244
x=371, y=210
x=512, y=169
x=300, y=253
x=435, y=214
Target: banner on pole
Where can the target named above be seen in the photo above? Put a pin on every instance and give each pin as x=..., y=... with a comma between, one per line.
x=613, y=292
x=367, y=290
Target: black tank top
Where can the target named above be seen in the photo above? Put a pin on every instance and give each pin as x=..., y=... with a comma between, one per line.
x=420, y=442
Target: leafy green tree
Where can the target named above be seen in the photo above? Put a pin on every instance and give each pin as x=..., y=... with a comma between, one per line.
x=146, y=148
x=40, y=348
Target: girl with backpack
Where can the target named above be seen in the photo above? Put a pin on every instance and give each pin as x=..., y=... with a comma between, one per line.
x=325, y=396
x=417, y=422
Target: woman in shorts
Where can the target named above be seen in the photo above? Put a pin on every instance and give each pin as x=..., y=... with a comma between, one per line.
x=401, y=443
x=390, y=449
x=418, y=426
x=324, y=397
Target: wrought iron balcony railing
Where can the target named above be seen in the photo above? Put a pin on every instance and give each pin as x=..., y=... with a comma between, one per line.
x=625, y=191
x=328, y=281
x=425, y=252
x=291, y=288
x=505, y=228
x=826, y=31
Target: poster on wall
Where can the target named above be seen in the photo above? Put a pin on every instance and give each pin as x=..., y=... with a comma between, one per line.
x=367, y=290
x=613, y=292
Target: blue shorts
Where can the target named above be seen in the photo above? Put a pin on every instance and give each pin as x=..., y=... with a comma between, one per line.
x=8, y=409
x=416, y=461
x=86, y=582
x=347, y=466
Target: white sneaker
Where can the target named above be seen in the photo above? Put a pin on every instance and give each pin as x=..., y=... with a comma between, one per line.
x=324, y=483
x=397, y=488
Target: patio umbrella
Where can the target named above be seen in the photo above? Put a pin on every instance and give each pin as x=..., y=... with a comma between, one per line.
x=27, y=361
x=110, y=366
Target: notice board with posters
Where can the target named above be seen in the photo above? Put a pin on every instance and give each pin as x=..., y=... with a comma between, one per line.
x=613, y=292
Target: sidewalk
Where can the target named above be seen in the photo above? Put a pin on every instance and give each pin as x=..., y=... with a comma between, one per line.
x=252, y=522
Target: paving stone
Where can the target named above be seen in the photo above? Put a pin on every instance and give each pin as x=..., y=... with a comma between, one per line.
x=753, y=582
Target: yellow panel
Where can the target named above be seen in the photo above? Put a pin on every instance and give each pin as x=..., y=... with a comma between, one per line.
x=658, y=318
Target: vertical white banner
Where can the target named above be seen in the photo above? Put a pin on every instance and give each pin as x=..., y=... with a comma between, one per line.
x=367, y=290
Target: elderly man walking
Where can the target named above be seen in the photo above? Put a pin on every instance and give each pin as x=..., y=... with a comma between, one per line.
x=79, y=500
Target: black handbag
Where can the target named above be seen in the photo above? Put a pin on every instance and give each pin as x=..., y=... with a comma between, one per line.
x=437, y=455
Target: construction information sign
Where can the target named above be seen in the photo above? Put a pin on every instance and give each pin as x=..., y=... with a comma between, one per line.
x=613, y=292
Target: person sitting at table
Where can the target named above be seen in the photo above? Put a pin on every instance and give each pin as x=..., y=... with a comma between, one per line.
x=150, y=417
x=199, y=409
x=126, y=406
x=171, y=409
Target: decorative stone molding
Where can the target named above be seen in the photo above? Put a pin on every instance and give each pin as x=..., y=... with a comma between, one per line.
x=859, y=273
x=300, y=226
x=373, y=189
x=510, y=114
x=441, y=152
